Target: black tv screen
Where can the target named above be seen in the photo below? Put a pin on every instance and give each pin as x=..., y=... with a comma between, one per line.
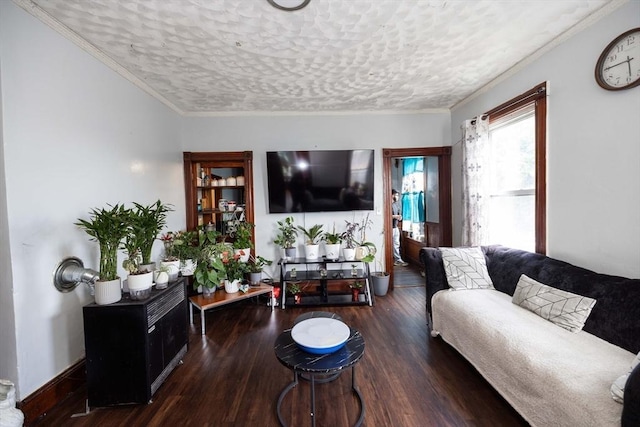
x=320, y=180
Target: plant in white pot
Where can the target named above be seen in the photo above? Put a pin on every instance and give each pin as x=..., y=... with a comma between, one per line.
x=363, y=247
x=107, y=227
x=349, y=240
x=286, y=237
x=332, y=243
x=242, y=243
x=312, y=241
x=145, y=224
x=185, y=248
x=139, y=279
x=210, y=270
x=170, y=260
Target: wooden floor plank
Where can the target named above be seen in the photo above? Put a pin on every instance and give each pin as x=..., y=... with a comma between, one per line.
x=231, y=377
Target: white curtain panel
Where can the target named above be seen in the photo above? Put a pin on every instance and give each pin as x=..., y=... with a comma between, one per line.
x=475, y=140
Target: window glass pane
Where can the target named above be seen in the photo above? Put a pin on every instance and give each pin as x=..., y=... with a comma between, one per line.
x=432, y=193
x=512, y=222
x=513, y=154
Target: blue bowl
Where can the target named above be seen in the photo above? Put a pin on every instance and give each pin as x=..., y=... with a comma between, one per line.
x=326, y=350
x=320, y=335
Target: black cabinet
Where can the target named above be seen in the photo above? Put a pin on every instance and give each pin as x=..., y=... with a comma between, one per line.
x=132, y=346
x=314, y=276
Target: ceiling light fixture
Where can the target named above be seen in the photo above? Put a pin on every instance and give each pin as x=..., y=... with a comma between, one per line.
x=289, y=5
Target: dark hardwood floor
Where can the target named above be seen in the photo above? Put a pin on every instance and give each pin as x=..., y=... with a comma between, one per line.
x=231, y=377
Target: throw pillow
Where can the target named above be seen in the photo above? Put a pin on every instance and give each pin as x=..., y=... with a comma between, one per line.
x=466, y=268
x=617, y=388
x=565, y=309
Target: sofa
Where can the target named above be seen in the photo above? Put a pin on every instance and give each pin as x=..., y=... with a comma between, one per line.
x=549, y=374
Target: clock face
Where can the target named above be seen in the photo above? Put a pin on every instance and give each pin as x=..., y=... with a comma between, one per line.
x=619, y=64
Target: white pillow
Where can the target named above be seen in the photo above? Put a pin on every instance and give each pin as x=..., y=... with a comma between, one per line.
x=466, y=268
x=563, y=308
x=617, y=388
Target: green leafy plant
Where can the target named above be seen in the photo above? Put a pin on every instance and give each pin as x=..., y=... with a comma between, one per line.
x=349, y=235
x=257, y=264
x=356, y=285
x=242, y=235
x=312, y=234
x=294, y=288
x=145, y=223
x=235, y=269
x=210, y=269
x=186, y=245
x=107, y=227
x=287, y=233
x=332, y=238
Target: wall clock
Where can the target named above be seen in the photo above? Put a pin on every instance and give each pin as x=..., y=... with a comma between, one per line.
x=619, y=64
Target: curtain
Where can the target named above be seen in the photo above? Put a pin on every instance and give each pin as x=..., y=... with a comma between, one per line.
x=475, y=145
x=413, y=208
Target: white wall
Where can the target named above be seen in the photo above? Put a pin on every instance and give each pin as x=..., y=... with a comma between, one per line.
x=325, y=132
x=76, y=136
x=593, y=153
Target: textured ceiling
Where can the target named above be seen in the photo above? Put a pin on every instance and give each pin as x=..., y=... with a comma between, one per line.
x=213, y=56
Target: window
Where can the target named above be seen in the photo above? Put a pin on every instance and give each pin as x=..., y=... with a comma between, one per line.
x=512, y=185
x=517, y=196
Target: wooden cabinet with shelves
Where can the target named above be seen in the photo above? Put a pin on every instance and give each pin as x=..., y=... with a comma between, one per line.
x=212, y=177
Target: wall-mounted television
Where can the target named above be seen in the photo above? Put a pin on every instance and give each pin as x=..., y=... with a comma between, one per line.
x=320, y=180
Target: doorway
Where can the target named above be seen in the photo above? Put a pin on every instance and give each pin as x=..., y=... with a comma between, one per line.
x=437, y=224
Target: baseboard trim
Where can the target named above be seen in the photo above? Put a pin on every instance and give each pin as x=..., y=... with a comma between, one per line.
x=49, y=395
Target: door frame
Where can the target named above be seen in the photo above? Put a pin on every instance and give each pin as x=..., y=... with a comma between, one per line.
x=444, y=188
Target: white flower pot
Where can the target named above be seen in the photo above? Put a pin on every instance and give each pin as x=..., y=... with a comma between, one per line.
x=108, y=292
x=349, y=254
x=172, y=268
x=311, y=251
x=332, y=250
x=140, y=282
x=161, y=279
x=187, y=267
x=232, y=286
x=361, y=252
x=244, y=254
x=140, y=285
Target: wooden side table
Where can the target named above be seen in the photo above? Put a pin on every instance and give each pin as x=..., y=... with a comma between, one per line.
x=221, y=297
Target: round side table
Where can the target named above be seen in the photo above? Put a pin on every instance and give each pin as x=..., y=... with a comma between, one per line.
x=312, y=365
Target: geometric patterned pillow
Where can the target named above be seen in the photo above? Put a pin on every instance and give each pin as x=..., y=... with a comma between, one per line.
x=466, y=268
x=563, y=308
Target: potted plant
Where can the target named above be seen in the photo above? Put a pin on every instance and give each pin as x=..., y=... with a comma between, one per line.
x=313, y=234
x=170, y=260
x=145, y=223
x=256, y=266
x=210, y=270
x=349, y=239
x=185, y=248
x=242, y=243
x=356, y=288
x=286, y=237
x=365, y=249
x=107, y=227
x=332, y=243
x=295, y=290
x=236, y=270
x=139, y=279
